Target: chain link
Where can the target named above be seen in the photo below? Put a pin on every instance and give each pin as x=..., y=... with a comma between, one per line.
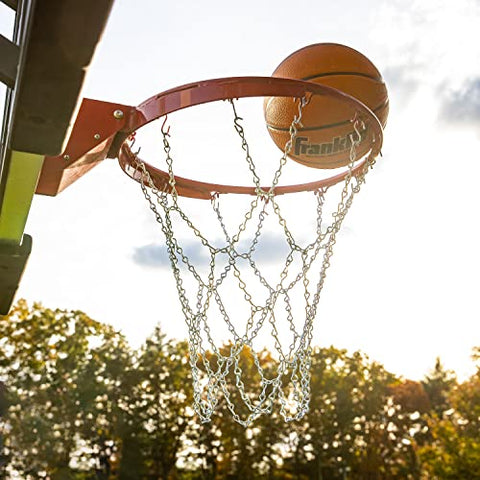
x=212, y=366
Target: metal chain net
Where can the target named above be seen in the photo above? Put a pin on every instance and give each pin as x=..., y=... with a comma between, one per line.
x=219, y=371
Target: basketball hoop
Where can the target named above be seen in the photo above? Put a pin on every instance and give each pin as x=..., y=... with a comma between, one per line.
x=208, y=91
x=218, y=370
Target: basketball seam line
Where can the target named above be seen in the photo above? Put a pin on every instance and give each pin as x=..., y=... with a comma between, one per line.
x=331, y=74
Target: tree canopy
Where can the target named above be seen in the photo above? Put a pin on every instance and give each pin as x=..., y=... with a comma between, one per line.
x=78, y=402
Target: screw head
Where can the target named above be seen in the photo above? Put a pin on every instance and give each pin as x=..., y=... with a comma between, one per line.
x=96, y=136
x=66, y=158
x=118, y=114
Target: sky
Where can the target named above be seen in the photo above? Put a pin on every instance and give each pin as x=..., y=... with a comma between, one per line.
x=403, y=284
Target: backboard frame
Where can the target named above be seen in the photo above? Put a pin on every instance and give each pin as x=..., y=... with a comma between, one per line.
x=52, y=44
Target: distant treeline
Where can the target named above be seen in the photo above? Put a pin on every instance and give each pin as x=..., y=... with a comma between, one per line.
x=77, y=402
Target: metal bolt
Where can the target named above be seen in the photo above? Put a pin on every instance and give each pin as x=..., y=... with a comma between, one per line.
x=66, y=158
x=96, y=136
x=118, y=114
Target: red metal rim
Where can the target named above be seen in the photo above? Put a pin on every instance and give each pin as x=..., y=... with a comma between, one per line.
x=232, y=88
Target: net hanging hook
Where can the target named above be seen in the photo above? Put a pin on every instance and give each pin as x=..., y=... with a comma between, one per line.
x=132, y=139
x=162, y=128
x=359, y=127
x=215, y=199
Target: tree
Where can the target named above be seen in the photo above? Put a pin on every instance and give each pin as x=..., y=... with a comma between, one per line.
x=351, y=429
x=3, y=412
x=159, y=412
x=227, y=450
x=453, y=451
x=438, y=385
x=408, y=425
x=64, y=372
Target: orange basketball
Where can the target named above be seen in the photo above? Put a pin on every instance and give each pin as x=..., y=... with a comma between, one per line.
x=323, y=139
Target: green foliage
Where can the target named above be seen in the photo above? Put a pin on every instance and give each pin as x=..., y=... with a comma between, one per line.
x=438, y=385
x=80, y=404
x=454, y=449
x=452, y=454
x=159, y=416
x=230, y=451
x=353, y=428
x=65, y=376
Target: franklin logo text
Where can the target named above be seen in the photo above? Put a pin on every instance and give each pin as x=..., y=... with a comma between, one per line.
x=303, y=146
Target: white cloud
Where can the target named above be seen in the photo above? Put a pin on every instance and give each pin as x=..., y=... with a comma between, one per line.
x=462, y=107
x=429, y=43
x=271, y=248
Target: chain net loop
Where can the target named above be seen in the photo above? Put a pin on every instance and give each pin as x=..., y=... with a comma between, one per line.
x=219, y=371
